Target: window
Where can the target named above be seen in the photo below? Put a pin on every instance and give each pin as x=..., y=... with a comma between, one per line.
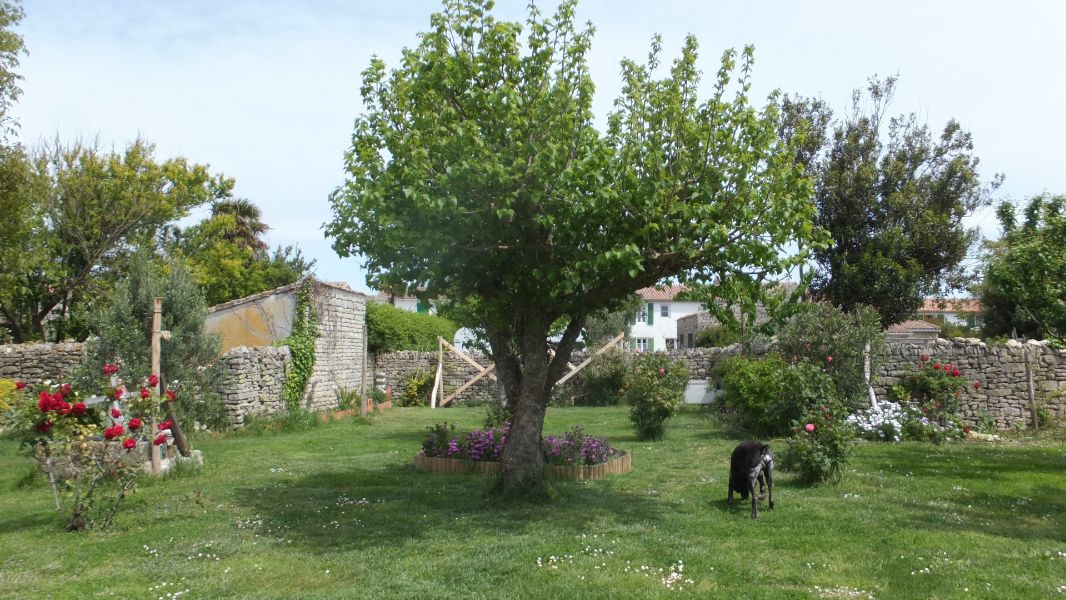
x=664, y=310
x=671, y=343
x=690, y=340
x=642, y=315
x=640, y=344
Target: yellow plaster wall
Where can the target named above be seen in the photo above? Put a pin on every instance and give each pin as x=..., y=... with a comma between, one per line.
x=256, y=323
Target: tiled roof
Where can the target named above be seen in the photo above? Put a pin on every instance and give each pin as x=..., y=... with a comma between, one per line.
x=912, y=326
x=664, y=293
x=280, y=290
x=958, y=305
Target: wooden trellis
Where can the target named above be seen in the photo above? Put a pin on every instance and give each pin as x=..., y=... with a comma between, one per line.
x=438, y=379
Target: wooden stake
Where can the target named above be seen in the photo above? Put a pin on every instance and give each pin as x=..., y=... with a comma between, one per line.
x=157, y=313
x=362, y=378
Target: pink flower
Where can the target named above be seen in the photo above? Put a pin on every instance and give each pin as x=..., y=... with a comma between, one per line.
x=153, y=380
x=809, y=427
x=662, y=371
x=829, y=358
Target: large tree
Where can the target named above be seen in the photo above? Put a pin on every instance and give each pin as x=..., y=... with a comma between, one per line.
x=81, y=212
x=476, y=174
x=1024, y=289
x=892, y=195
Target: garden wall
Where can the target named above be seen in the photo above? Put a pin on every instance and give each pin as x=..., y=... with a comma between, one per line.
x=339, y=347
x=40, y=362
x=253, y=380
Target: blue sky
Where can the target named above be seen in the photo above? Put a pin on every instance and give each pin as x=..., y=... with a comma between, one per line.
x=267, y=91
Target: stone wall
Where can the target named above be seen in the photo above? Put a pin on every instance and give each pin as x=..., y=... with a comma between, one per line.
x=40, y=362
x=253, y=381
x=339, y=347
x=394, y=369
x=1001, y=370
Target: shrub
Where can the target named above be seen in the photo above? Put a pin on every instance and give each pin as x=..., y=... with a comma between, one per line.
x=575, y=448
x=601, y=382
x=717, y=337
x=289, y=421
x=416, y=390
x=391, y=329
x=835, y=340
x=571, y=448
x=654, y=387
x=767, y=394
x=347, y=398
x=935, y=388
x=821, y=441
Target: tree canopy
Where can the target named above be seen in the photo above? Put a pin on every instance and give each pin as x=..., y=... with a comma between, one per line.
x=476, y=173
x=1024, y=289
x=892, y=195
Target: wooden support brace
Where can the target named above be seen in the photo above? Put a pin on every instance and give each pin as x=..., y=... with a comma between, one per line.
x=465, y=386
x=577, y=369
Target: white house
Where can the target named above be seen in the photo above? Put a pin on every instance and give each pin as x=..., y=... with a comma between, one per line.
x=956, y=311
x=655, y=325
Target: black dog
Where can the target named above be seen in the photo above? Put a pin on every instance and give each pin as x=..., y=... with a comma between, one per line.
x=751, y=462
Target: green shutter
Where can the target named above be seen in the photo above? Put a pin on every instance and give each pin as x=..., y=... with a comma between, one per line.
x=421, y=307
x=651, y=314
x=651, y=344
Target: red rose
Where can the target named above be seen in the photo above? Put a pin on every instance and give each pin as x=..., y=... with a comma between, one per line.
x=116, y=413
x=44, y=426
x=113, y=432
x=966, y=429
x=65, y=389
x=110, y=369
x=44, y=401
x=135, y=424
x=159, y=440
x=171, y=395
x=956, y=373
x=129, y=443
x=20, y=385
x=145, y=392
x=56, y=399
x=153, y=380
x=936, y=366
x=63, y=407
x=78, y=408
x=118, y=393
x=977, y=385
x=168, y=424
x=924, y=358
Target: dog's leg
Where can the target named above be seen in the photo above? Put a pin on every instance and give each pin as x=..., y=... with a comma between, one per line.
x=768, y=472
x=729, y=498
x=762, y=486
x=754, y=499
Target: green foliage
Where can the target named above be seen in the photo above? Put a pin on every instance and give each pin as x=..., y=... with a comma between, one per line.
x=602, y=381
x=391, y=329
x=477, y=173
x=88, y=210
x=935, y=389
x=893, y=196
x=767, y=395
x=11, y=47
x=228, y=259
x=821, y=442
x=835, y=340
x=122, y=329
x=603, y=325
x=654, y=388
x=496, y=414
x=290, y=421
x=1025, y=282
x=717, y=337
x=301, y=343
x=417, y=388
x=347, y=398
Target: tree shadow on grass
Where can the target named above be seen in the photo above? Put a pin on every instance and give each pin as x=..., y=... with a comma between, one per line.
x=355, y=509
x=26, y=522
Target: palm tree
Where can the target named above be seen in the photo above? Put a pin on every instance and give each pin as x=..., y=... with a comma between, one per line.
x=248, y=224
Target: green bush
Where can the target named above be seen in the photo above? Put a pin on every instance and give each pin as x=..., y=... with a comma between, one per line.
x=765, y=395
x=417, y=388
x=655, y=388
x=717, y=337
x=820, y=444
x=391, y=329
x=601, y=382
x=835, y=340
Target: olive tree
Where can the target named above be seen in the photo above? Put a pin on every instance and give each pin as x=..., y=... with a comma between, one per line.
x=476, y=173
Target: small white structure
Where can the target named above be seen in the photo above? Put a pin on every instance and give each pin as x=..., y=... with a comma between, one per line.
x=655, y=324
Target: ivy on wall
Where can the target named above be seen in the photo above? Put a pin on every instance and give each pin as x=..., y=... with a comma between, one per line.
x=301, y=343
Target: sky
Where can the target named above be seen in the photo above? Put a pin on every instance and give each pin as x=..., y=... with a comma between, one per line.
x=266, y=92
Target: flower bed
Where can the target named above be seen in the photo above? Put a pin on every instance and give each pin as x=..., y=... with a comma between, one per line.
x=619, y=463
x=573, y=455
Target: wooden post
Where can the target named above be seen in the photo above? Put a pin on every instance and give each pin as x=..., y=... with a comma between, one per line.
x=157, y=315
x=362, y=378
x=1031, y=387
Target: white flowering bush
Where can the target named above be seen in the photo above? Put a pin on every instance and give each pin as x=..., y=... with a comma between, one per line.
x=885, y=425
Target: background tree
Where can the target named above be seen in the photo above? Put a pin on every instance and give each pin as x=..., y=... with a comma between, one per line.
x=892, y=196
x=11, y=47
x=476, y=173
x=1024, y=289
x=228, y=259
x=122, y=328
x=83, y=212
x=601, y=326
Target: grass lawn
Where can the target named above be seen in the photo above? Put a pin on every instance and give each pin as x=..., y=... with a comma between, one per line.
x=339, y=512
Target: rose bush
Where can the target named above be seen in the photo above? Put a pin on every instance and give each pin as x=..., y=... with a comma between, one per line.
x=654, y=388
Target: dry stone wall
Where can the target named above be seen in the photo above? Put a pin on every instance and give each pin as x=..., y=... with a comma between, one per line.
x=40, y=362
x=394, y=369
x=253, y=380
x=339, y=347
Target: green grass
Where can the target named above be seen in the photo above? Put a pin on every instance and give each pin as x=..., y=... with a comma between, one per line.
x=336, y=511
